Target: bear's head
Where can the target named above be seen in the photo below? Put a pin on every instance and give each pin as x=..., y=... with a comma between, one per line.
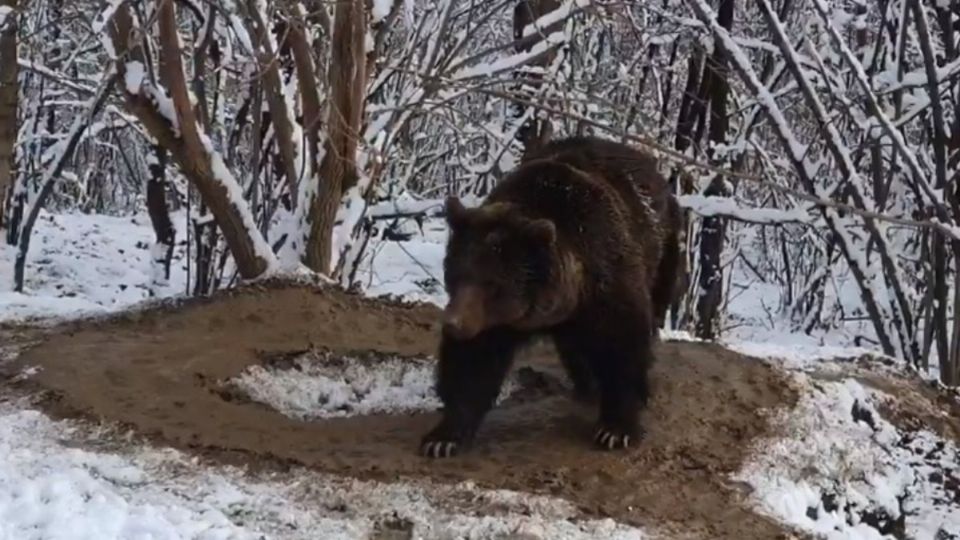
x=501, y=269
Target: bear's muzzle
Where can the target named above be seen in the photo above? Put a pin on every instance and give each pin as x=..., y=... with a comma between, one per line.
x=463, y=317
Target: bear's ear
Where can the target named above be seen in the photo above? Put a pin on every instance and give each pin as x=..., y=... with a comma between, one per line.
x=542, y=230
x=457, y=214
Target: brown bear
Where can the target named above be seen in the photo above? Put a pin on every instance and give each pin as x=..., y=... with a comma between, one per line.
x=578, y=243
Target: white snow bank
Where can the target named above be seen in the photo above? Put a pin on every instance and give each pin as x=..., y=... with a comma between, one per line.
x=316, y=385
x=792, y=350
x=842, y=471
x=411, y=269
x=51, y=489
x=84, y=264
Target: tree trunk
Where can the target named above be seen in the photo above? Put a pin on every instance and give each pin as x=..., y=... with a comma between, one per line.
x=712, y=230
x=949, y=360
x=338, y=168
x=285, y=138
x=160, y=218
x=190, y=148
x=204, y=235
x=9, y=89
x=536, y=130
x=950, y=366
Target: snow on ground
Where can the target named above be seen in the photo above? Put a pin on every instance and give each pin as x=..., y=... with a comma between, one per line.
x=412, y=269
x=81, y=264
x=843, y=471
x=838, y=468
x=319, y=385
x=792, y=349
x=52, y=488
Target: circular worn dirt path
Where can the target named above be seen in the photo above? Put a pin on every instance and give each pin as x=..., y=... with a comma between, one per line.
x=158, y=370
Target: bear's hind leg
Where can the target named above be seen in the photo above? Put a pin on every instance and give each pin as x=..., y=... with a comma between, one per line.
x=469, y=376
x=672, y=264
x=621, y=354
x=665, y=287
x=577, y=366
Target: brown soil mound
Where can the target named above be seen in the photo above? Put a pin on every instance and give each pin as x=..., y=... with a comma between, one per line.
x=157, y=371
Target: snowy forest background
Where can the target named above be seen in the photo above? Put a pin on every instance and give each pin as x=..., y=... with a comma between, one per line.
x=813, y=142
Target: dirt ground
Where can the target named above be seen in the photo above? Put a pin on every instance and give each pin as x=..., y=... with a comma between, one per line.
x=158, y=371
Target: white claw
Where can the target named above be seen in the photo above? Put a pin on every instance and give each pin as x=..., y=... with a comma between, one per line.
x=439, y=449
x=611, y=440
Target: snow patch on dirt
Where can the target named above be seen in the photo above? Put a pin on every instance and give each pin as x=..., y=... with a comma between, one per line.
x=319, y=384
x=843, y=471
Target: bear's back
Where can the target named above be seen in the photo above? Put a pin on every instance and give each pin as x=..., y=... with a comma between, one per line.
x=630, y=172
x=583, y=206
x=606, y=197
x=600, y=209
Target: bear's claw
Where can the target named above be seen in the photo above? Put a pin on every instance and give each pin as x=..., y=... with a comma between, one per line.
x=610, y=439
x=439, y=449
x=446, y=440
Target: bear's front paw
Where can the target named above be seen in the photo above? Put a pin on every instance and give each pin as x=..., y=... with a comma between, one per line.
x=442, y=442
x=609, y=438
x=439, y=449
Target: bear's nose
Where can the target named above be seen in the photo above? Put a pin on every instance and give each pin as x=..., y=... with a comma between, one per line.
x=453, y=326
x=464, y=315
x=458, y=327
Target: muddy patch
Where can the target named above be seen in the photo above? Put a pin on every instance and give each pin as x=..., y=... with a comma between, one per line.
x=162, y=372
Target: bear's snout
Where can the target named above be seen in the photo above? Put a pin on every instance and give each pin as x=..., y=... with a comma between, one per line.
x=463, y=317
x=453, y=327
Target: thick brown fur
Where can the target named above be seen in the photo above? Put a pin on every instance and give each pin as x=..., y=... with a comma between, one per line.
x=580, y=242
